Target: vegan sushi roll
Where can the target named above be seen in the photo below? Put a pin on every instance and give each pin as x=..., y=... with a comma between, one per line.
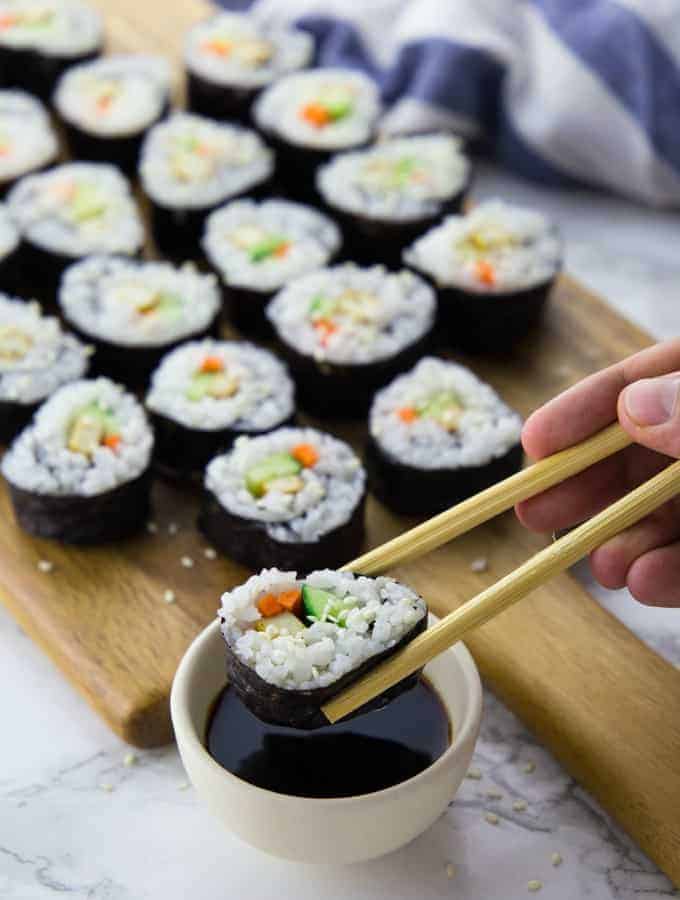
x=307, y=116
x=257, y=248
x=493, y=269
x=189, y=166
x=207, y=393
x=438, y=435
x=346, y=331
x=68, y=212
x=107, y=105
x=230, y=57
x=79, y=473
x=27, y=140
x=40, y=39
x=133, y=312
x=293, y=642
x=292, y=498
x=10, y=253
x=36, y=357
x=388, y=195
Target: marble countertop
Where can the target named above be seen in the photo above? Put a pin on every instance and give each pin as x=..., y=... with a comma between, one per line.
x=81, y=815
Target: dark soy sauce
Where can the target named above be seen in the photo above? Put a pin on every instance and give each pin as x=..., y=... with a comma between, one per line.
x=368, y=753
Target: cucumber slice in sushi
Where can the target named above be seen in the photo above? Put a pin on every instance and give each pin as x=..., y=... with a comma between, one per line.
x=285, y=666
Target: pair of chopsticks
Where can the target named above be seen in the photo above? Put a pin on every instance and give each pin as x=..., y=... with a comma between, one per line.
x=555, y=558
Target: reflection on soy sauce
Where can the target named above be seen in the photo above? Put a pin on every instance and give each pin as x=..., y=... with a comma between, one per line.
x=367, y=753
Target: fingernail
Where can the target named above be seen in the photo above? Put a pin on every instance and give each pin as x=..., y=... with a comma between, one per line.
x=652, y=400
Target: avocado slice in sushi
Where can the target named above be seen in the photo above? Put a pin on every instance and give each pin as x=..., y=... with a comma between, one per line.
x=445, y=407
x=93, y=427
x=87, y=203
x=272, y=469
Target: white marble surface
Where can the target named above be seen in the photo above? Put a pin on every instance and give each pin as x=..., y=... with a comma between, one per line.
x=76, y=820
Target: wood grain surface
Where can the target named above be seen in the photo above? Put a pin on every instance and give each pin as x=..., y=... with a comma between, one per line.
x=606, y=705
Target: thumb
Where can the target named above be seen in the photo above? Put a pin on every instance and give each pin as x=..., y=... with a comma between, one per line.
x=649, y=410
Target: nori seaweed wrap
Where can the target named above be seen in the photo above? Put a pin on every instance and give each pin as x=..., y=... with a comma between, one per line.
x=438, y=435
x=295, y=642
x=79, y=473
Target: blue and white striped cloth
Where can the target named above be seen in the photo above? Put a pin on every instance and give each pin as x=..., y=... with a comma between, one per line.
x=565, y=91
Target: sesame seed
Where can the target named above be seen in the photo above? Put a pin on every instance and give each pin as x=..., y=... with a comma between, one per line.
x=169, y=596
x=129, y=759
x=519, y=805
x=44, y=565
x=187, y=562
x=474, y=773
x=105, y=786
x=493, y=794
x=491, y=818
x=173, y=528
x=210, y=553
x=556, y=859
x=450, y=871
x=534, y=885
x=184, y=786
x=151, y=527
x=481, y=564
x=529, y=767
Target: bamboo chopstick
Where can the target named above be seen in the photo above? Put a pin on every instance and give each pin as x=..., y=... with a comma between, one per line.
x=490, y=503
x=541, y=567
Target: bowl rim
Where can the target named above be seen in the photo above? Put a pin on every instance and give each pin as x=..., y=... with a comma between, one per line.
x=182, y=721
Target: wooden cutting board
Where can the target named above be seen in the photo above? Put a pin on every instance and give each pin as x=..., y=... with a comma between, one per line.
x=606, y=705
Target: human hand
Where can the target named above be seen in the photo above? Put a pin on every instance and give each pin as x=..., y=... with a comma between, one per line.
x=644, y=392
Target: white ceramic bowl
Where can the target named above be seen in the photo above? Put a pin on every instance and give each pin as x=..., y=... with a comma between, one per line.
x=343, y=830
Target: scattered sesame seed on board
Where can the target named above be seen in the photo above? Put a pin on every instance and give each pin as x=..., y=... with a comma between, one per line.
x=491, y=818
x=556, y=859
x=129, y=759
x=210, y=553
x=534, y=885
x=152, y=528
x=474, y=773
x=450, y=871
x=481, y=564
x=44, y=565
x=529, y=767
x=187, y=562
x=169, y=596
x=519, y=805
x=173, y=528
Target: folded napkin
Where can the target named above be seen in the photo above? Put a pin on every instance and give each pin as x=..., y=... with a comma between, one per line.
x=563, y=91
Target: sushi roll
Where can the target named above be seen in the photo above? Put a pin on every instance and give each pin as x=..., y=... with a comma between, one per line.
x=68, y=212
x=189, y=166
x=307, y=116
x=207, y=393
x=493, y=269
x=257, y=248
x=438, y=435
x=107, y=105
x=294, y=641
x=346, y=331
x=388, y=195
x=79, y=473
x=292, y=498
x=230, y=57
x=40, y=39
x=27, y=141
x=10, y=254
x=133, y=312
x=36, y=357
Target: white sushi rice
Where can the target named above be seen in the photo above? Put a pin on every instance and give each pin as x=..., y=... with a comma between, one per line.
x=27, y=139
x=40, y=461
x=400, y=179
x=64, y=28
x=226, y=160
x=45, y=208
x=233, y=49
x=280, y=108
x=331, y=489
x=9, y=234
x=487, y=429
x=521, y=246
x=380, y=313
x=385, y=612
x=36, y=356
x=311, y=239
x=114, y=96
x=265, y=397
x=108, y=297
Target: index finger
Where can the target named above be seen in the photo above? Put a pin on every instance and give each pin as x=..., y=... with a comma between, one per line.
x=590, y=405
